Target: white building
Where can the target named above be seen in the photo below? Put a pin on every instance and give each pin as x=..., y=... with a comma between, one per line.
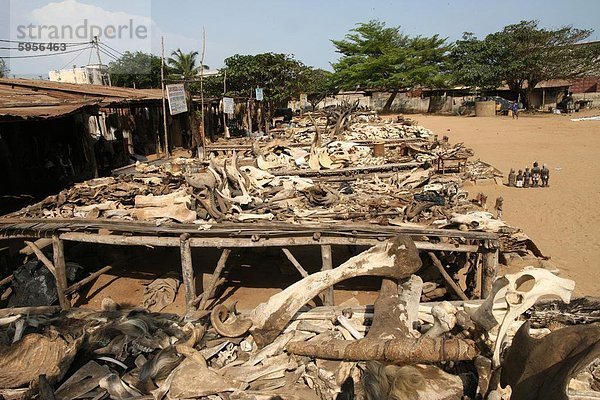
x=95, y=74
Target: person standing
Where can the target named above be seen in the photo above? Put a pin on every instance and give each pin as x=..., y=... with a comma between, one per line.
x=514, y=107
x=545, y=175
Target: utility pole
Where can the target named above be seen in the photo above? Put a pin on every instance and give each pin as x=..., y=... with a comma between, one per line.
x=164, y=101
x=201, y=152
x=96, y=45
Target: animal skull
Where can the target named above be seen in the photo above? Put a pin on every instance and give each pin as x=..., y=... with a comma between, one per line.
x=522, y=290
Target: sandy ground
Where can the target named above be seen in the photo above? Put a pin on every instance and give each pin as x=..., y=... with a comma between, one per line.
x=564, y=219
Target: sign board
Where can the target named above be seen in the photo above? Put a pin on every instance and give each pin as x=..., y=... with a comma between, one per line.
x=227, y=105
x=259, y=94
x=177, y=99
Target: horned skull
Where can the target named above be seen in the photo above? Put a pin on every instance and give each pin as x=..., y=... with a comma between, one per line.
x=514, y=294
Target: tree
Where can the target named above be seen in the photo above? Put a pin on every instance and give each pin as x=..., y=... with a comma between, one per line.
x=522, y=55
x=3, y=69
x=137, y=69
x=183, y=65
x=376, y=56
x=280, y=75
x=319, y=83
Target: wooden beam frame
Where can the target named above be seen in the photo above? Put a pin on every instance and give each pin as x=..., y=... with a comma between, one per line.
x=326, y=258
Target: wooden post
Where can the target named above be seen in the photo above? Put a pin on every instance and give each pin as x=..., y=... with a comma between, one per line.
x=164, y=101
x=489, y=271
x=61, y=273
x=327, y=266
x=187, y=270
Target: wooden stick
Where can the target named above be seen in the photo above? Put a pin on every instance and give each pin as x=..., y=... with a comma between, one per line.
x=40, y=243
x=294, y=262
x=6, y=280
x=76, y=286
x=209, y=292
x=327, y=295
x=61, y=272
x=4, y=312
x=447, y=277
x=477, y=293
x=187, y=270
x=42, y=258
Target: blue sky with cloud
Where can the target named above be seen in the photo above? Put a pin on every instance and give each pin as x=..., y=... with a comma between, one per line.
x=303, y=28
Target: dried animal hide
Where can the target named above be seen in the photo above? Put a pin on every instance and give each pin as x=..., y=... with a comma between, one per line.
x=320, y=195
x=190, y=380
x=160, y=292
x=24, y=361
x=542, y=368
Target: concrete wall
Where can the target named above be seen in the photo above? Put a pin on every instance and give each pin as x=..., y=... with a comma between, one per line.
x=402, y=103
x=338, y=99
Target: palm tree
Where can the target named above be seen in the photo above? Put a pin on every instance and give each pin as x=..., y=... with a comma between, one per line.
x=184, y=64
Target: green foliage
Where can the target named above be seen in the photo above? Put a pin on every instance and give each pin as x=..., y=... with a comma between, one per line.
x=376, y=56
x=523, y=53
x=3, y=69
x=318, y=84
x=183, y=65
x=280, y=75
x=137, y=69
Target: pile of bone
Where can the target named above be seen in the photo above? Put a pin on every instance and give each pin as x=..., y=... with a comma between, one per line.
x=398, y=348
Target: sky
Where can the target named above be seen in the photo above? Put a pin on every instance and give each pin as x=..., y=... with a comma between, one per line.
x=302, y=28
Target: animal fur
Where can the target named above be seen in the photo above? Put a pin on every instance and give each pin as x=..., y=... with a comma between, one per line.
x=161, y=365
x=391, y=382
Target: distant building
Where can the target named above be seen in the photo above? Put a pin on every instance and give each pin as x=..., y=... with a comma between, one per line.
x=93, y=74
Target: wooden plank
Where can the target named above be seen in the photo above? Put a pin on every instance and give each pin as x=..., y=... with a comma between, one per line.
x=250, y=228
x=121, y=240
x=61, y=273
x=327, y=261
x=187, y=271
x=294, y=262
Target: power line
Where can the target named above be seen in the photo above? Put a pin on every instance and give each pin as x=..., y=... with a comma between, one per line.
x=116, y=51
x=75, y=58
x=109, y=53
x=45, y=55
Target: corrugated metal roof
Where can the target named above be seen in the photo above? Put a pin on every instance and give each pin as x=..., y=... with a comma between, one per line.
x=25, y=98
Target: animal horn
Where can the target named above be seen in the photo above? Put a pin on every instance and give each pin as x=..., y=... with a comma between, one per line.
x=234, y=328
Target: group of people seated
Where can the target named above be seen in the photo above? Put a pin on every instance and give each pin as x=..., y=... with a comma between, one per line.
x=529, y=178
